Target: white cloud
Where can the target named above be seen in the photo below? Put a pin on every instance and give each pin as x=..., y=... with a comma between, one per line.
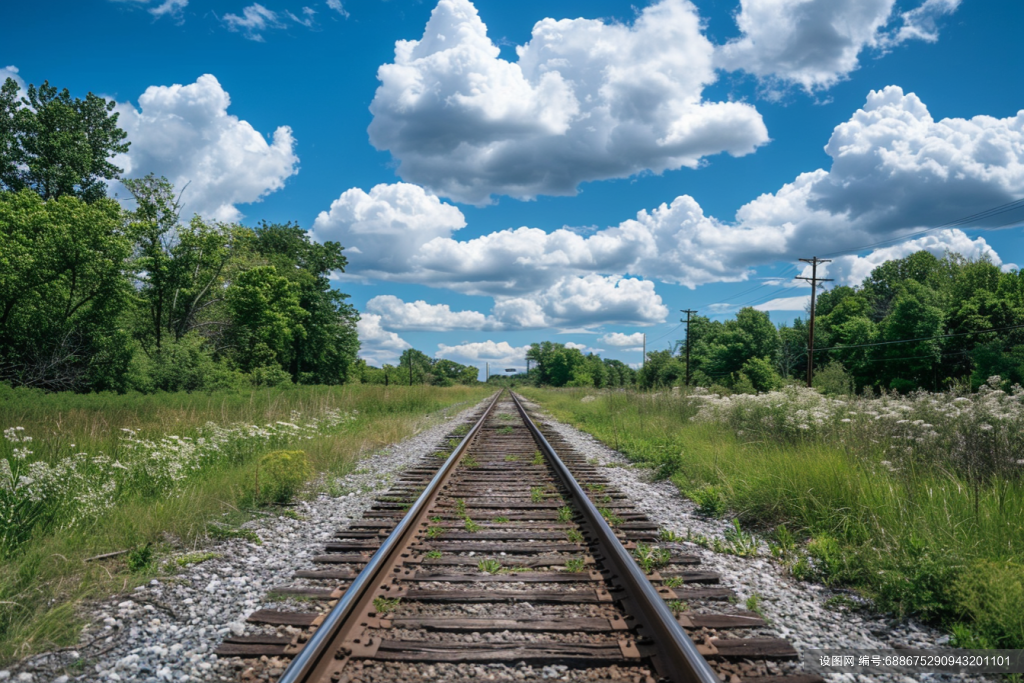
x=172, y=8
x=308, y=13
x=184, y=132
x=501, y=353
x=377, y=344
x=384, y=229
x=337, y=7
x=792, y=303
x=574, y=302
x=894, y=169
x=921, y=23
x=619, y=340
x=817, y=43
x=586, y=100
x=255, y=18
x=420, y=315
x=852, y=270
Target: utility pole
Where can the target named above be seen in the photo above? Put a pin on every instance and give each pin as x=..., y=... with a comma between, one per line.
x=385, y=375
x=688, y=313
x=814, y=280
x=487, y=373
x=410, y=369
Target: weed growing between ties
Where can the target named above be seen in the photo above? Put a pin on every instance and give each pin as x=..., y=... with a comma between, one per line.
x=916, y=501
x=84, y=475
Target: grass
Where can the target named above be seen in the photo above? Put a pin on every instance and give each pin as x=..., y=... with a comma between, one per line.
x=500, y=520
x=382, y=605
x=189, y=559
x=537, y=494
x=538, y=458
x=43, y=575
x=650, y=558
x=435, y=531
x=575, y=565
x=470, y=462
x=470, y=526
x=565, y=514
x=489, y=566
x=912, y=501
x=574, y=536
x=432, y=555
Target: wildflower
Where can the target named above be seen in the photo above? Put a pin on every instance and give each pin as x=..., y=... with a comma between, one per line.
x=985, y=427
x=846, y=419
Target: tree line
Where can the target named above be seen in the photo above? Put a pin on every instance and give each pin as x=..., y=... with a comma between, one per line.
x=97, y=297
x=920, y=322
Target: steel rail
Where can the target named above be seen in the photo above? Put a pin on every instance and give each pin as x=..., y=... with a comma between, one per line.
x=676, y=657
x=316, y=649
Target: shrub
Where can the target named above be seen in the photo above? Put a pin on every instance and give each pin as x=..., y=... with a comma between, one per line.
x=670, y=466
x=710, y=500
x=281, y=475
x=991, y=594
x=762, y=375
x=140, y=559
x=918, y=581
x=833, y=380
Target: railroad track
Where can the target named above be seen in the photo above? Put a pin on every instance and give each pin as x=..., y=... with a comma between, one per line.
x=510, y=550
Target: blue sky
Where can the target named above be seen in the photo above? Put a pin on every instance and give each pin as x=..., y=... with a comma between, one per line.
x=488, y=193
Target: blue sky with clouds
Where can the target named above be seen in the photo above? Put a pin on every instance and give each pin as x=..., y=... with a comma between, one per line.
x=503, y=173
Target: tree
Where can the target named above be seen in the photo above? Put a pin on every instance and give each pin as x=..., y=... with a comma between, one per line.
x=266, y=317
x=421, y=367
x=62, y=291
x=57, y=145
x=326, y=355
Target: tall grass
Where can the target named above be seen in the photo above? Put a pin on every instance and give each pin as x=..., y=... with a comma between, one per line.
x=157, y=469
x=917, y=501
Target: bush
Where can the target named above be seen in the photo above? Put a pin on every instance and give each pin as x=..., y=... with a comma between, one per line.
x=710, y=500
x=833, y=380
x=991, y=595
x=281, y=475
x=918, y=581
x=762, y=375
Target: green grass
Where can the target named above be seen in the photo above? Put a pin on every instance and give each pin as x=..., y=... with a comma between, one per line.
x=848, y=502
x=538, y=458
x=489, y=566
x=189, y=559
x=574, y=536
x=383, y=605
x=565, y=514
x=500, y=520
x=43, y=575
x=575, y=565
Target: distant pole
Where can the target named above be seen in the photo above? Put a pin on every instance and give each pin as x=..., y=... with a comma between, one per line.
x=688, y=312
x=385, y=375
x=410, y=369
x=487, y=372
x=814, y=280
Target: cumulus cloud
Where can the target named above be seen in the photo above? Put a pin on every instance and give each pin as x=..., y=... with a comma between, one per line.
x=377, y=344
x=184, y=132
x=791, y=303
x=586, y=100
x=620, y=340
x=501, y=353
x=817, y=43
x=572, y=302
x=386, y=227
x=852, y=270
x=419, y=315
x=894, y=169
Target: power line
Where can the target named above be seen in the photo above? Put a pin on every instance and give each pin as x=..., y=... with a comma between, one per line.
x=814, y=280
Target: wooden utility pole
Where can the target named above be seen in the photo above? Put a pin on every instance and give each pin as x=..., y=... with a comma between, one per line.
x=814, y=280
x=487, y=374
x=688, y=313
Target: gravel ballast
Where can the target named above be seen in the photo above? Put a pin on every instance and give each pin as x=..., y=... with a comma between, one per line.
x=795, y=609
x=168, y=630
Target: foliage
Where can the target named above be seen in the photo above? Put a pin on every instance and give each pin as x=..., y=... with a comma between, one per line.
x=281, y=475
x=186, y=467
x=914, y=500
x=56, y=145
x=140, y=559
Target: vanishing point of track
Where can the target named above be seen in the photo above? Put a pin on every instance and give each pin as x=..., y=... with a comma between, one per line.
x=534, y=540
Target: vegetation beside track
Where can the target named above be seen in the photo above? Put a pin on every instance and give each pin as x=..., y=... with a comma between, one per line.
x=184, y=471
x=917, y=502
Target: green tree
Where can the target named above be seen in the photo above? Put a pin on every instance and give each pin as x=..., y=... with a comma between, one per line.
x=62, y=292
x=57, y=145
x=327, y=353
x=266, y=318
x=421, y=367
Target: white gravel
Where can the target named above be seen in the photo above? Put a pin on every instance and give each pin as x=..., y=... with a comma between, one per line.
x=167, y=630
x=795, y=609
